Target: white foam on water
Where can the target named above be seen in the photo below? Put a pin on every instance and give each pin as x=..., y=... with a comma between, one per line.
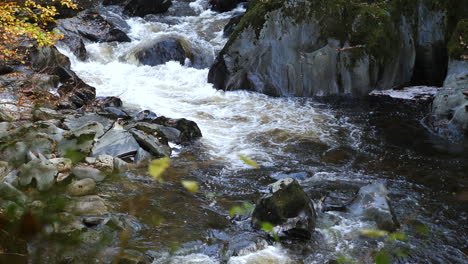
x=269, y=255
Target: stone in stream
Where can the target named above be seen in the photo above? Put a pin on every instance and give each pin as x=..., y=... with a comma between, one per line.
x=92, y=26
x=109, y=101
x=40, y=169
x=161, y=52
x=189, y=130
x=114, y=113
x=87, y=205
x=82, y=172
x=81, y=139
x=116, y=143
x=152, y=144
x=372, y=203
x=75, y=121
x=105, y=163
x=62, y=164
x=82, y=187
x=142, y=156
x=245, y=243
x=145, y=115
x=142, y=8
x=288, y=208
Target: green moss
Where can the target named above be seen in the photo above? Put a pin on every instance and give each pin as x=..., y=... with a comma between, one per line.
x=458, y=44
x=356, y=21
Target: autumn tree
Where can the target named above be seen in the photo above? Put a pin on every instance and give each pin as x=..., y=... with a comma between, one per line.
x=27, y=23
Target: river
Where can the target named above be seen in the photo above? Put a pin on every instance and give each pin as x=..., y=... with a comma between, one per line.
x=331, y=146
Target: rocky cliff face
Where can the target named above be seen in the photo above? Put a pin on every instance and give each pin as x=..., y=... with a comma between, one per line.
x=316, y=47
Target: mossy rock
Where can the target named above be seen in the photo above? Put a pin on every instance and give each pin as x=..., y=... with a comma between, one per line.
x=358, y=22
x=458, y=44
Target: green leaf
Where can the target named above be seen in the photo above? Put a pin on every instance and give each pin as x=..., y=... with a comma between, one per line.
x=248, y=161
x=248, y=207
x=397, y=236
x=267, y=227
x=382, y=257
x=374, y=233
x=236, y=210
x=157, y=167
x=191, y=186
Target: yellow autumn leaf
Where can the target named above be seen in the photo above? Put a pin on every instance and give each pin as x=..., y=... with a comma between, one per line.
x=248, y=161
x=191, y=186
x=157, y=167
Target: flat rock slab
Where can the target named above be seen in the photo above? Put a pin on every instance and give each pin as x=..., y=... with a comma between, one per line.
x=73, y=122
x=116, y=143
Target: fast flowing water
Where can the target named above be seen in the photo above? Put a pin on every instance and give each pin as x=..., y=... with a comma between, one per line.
x=331, y=147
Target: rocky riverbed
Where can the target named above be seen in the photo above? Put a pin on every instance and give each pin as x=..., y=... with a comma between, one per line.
x=339, y=179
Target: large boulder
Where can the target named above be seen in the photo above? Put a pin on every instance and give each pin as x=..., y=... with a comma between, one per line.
x=92, y=26
x=116, y=143
x=322, y=50
x=142, y=8
x=161, y=52
x=40, y=169
x=288, y=208
x=449, y=115
x=340, y=47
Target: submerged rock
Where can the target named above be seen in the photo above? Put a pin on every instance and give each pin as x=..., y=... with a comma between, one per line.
x=287, y=208
x=372, y=203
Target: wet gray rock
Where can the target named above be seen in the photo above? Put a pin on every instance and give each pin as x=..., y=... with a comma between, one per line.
x=81, y=139
x=81, y=187
x=40, y=169
x=372, y=203
x=116, y=143
x=189, y=130
x=88, y=172
x=142, y=156
x=231, y=25
x=152, y=144
x=9, y=192
x=105, y=163
x=449, y=115
x=145, y=7
x=161, y=52
x=114, y=113
x=87, y=205
x=5, y=116
x=75, y=121
x=76, y=45
x=298, y=176
x=145, y=115
x=120, y=165
x=304, y=59
x=288, y=208
x=245, y=243
x=43, y=113
x=92, y=26
x=109, y=101
x=62, y=164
